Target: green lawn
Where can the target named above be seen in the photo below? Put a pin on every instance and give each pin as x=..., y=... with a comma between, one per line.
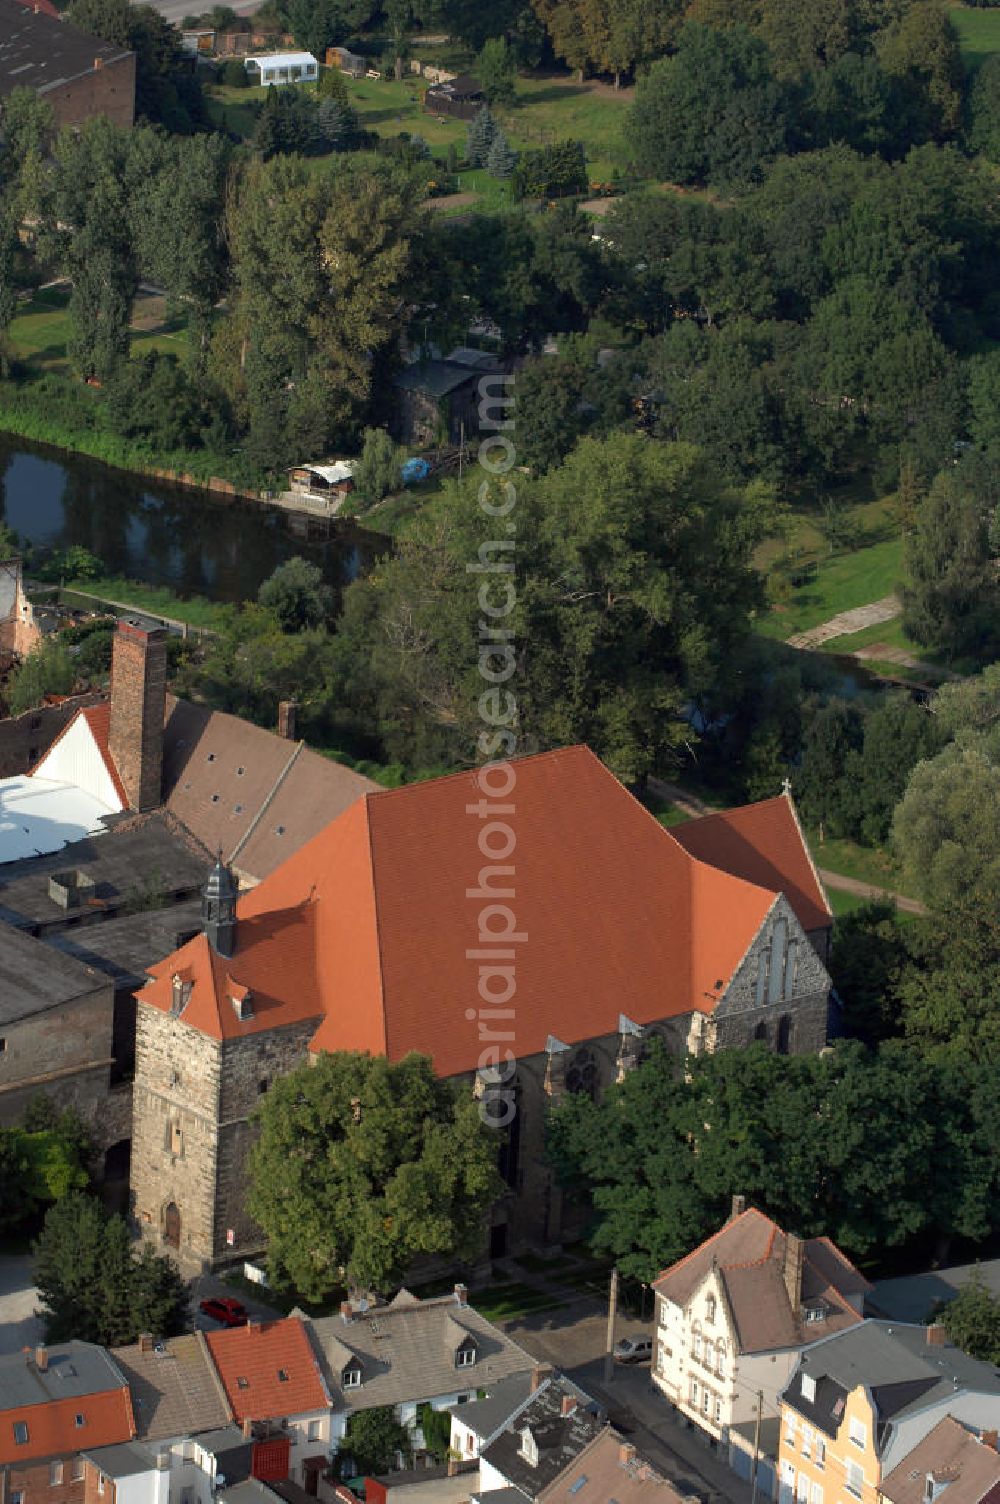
x=196, y=610
x=506, y=1302
x=842, y=582
x=869, y=864
x=978, y=33
x=40, y=332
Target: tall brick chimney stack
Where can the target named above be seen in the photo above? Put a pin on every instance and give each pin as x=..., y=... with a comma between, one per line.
x=288, y=720
x=794, y=1259
x=138, y=697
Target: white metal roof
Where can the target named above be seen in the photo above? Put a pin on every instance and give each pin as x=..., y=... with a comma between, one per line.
x=338, y=471
x=284, y=59
x=39, y=815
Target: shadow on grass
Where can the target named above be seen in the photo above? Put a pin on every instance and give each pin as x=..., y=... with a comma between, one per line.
x=555, y=93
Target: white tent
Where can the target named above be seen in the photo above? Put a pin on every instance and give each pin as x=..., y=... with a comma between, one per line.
x=283, y=67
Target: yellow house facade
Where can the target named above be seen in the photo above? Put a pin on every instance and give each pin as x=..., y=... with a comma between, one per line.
x=817, y=1468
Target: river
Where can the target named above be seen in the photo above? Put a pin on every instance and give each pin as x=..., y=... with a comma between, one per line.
x=195, y=542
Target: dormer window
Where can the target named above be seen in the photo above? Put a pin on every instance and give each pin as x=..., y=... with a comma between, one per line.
x=815, y=1312
x=465, y=1357
x=529, y=1447
x=808, y=1388
x=351, y=1377
x=180, y=993
x=242, y=1001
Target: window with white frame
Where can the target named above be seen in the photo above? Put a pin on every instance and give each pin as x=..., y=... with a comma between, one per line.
x=789, y=1428
x=816, y=1494
x=808, y=1385
x=76, y=1470
x=802, y=1489
x=697, y=1342
x=855, y=1480
x=693, y=1392
x=807, y=1436
x=718, y=1411
x=706, y=1402
x=720, y=1358
x=55, y=1474
x=820, y=1451
x=17, y=1496
x=352, y=1378
x=312, y=1430
x=664, y=1313
x=859, y=1433
x=466, y=1356
x=710, y=1309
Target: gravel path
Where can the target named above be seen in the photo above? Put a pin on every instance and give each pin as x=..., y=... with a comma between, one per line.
x=847, y=621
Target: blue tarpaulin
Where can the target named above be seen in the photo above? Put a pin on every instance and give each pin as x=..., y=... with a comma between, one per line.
x=414, y=470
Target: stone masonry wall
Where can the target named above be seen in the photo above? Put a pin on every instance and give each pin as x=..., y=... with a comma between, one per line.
x=739, y=1019
x=63, y=1053
x=250, y=1065
x=175, y=1113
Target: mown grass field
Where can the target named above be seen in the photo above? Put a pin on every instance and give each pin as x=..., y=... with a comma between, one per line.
x=842, y=581
x=40, y=332
x=978, y=33
x=547, y=109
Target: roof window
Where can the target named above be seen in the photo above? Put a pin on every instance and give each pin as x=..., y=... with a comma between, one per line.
x=242, y=1383
x=240, y=772
x=81, y=1419
x=211, y=757
x=215, y=798
x=282, y=1375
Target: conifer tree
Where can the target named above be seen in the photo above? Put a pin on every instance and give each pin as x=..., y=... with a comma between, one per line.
x=501, y=160
x=480, y=138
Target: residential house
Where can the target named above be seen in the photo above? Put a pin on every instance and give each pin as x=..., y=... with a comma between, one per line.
x=182, y=1416
x=541, y=1441
x=461, y=97
x=861, y=1401
x=127, y=1473
x=950, y=1460
x=73, y=71
x=473, y=1427
x=55, y=1404
x=411, y=1353
x=610, y=1467
x=270, y=68
x=275, y=1388
x=733, y=1315
x=438, y=401
x=703, y=955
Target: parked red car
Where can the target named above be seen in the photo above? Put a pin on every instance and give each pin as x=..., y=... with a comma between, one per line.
x=225, y=1309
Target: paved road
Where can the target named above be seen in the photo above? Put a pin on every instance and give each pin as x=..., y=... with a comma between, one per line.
x=19, y=1326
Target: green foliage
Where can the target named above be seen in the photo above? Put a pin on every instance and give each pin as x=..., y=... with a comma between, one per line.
x=167, y=93
x=972, y=1320
x=91, y=1285
x=948, y=995
x=867, y=957
x=362, y=1165
x=233, y=74
x=47, y=670
x=376, y=471
x=711, y=112
x=951, y=599
x=374, y=1437
x=946, y=829
x=295, y=592
x=479, y=137
x=551, y=171
x=288, y=123
x=154, y=399
x=436, y=1428
x=502, y=159
x=662, y=1154
x=41, y=1161
x=496, y=70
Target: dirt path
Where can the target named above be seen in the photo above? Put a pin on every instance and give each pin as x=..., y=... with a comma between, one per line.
x=846, y=622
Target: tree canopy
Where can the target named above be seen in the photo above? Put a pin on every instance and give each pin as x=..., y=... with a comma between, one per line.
x=362, y=1165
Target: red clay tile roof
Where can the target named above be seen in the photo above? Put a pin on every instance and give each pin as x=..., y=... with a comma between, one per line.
x=748, y=1253
x=763, y=844
x=251, y=1361
x=618, y=917
x=53, y=1431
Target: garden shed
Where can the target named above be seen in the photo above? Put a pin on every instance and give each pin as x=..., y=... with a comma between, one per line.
x=461, y=97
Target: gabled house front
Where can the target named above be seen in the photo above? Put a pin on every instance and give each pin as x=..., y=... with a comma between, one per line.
x=733, y=1316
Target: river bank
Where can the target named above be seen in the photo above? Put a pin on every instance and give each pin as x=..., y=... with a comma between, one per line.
x=189, y=542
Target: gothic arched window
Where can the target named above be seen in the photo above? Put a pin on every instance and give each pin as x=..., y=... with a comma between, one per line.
x=581, y=1075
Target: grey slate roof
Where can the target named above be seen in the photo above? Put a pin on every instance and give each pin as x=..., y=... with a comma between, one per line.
x=490, y=1414
x=407, y=1351
x=74, y=1369
x=40, y=53
x=33, y=979
x=902, y=1370
x=559, y=1438
x=176, y=1392
x=436, y=378
x=124, y=1460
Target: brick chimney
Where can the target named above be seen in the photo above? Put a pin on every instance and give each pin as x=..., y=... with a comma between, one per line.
x=247, y=1427
x=145, y=1342
x=98, y=63
x=568, y=1406
x=41, y=1359
x=346, y=1311
x=989, y=1439
x=462, y=1294
x=138, y=696
x=540, y=1375
x=739, y=1207
x=794, y=1256
x=936, y=1335
x=626, y=1454
x=288, y=720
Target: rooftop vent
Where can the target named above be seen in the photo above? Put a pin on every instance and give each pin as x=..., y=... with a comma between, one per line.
x=71, y=889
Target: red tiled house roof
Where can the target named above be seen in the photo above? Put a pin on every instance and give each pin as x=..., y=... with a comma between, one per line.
x=269, y=1370
x=367, y=926
x=748, y=1254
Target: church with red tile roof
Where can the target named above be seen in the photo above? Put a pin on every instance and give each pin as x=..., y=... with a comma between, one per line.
x=557, y=925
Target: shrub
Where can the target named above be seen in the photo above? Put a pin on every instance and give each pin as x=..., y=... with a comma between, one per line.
x=234, y=74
